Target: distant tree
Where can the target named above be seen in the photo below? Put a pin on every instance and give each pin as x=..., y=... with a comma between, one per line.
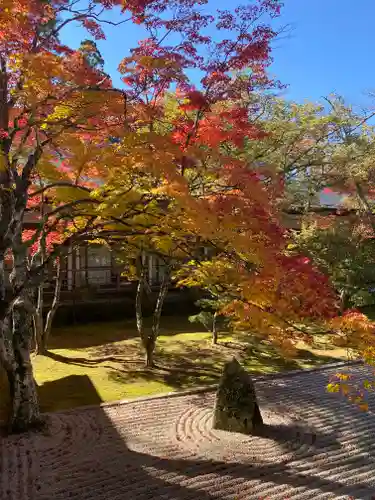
x=37, y=257
x=208, y=317
x=342, y=251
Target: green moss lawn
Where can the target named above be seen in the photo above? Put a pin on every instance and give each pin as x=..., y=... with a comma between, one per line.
x=103, y=362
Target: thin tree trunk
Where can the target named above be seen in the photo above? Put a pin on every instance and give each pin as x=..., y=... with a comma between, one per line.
x=344, y=300
x=54, y=306
x=150, y=344
x=159, y=303
x=138, y=301
x=38, y=317
x=138, y=307
x=214, y=328
x=38, y=330
x=151, y=340
x=38, y=321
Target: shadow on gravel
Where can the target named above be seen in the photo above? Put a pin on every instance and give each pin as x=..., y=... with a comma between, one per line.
x=89, y=462
x=277, y=474
x=88, y=456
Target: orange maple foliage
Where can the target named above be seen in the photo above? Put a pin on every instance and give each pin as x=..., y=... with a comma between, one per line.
x=104, y=156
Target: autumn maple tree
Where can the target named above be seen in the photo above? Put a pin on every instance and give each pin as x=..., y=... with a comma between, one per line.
x=183, y=137
x=324, y=153
x=342, y=245
x=107, y=158
x=264, y=286
x=59, y=113
x=135, y=255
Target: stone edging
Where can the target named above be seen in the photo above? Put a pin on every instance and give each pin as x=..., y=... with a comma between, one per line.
x=209, y=388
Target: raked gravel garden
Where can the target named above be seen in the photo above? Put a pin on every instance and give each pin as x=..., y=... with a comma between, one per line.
x=315, y=446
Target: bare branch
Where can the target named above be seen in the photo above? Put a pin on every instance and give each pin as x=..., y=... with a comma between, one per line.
x=58, y=184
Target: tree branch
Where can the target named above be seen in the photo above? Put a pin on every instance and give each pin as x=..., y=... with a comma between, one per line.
x=58, y=184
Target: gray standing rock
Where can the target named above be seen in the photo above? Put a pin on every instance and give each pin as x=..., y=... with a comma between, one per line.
x=236, y=407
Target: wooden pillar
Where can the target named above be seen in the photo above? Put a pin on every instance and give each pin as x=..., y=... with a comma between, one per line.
x=69, y=269
x=151, y=260
x=77, y=270
x=86, y=265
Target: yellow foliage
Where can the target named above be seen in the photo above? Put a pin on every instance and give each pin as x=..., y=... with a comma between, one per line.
x=61, y=112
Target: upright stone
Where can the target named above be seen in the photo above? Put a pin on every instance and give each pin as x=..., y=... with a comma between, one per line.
x=236, y=407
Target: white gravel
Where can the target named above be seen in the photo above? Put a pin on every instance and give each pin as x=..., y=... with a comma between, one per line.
x=316, y=446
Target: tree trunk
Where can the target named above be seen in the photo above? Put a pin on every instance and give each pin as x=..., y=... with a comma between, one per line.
x=214, y=329
x=25, y=407
x=151, y=340
x=138, y=308
x=149, y=345
x=159, y=303
x=145, y=339
x=38, y=331
x=3, y=300
x=38, y=321
x=138, y=305
x=2, y=276
x=344, y=301
x=38, y=316
x=3, y=304
x=54, y=307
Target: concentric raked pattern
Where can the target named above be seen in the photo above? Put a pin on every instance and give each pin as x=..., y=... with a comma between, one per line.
x=316, y=446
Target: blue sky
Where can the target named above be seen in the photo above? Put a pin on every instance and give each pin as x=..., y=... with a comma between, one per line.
x=328, y=49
